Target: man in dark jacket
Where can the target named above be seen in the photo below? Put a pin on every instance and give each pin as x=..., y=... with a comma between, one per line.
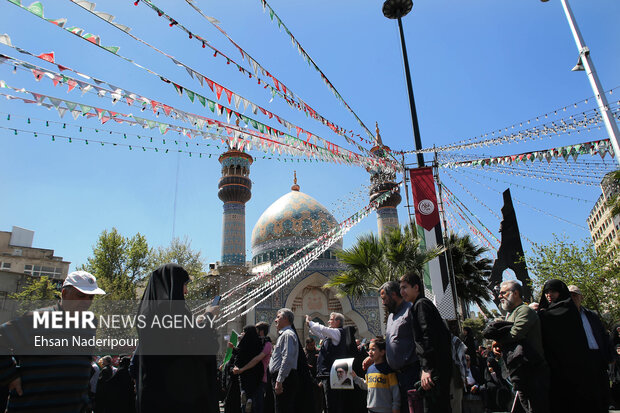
x=433, y=345
x=399, y=344
x=599, y=354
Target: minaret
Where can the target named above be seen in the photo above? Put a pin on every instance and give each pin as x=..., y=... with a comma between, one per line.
x=380, y=182
x=235, y=189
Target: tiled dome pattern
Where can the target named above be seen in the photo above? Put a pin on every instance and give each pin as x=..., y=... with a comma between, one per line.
x=293, y=215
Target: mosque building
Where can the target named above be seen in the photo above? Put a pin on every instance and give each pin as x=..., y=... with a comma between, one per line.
x=291, y=222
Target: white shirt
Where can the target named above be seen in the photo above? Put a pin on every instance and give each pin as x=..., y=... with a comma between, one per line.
x=325, y=332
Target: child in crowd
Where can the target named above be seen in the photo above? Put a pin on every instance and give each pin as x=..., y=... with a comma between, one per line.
x=381, y=382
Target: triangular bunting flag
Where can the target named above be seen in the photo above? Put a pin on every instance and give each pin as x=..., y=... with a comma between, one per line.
x=219, y=90
x=190, y=94
x=36, y=8
x=199, y=77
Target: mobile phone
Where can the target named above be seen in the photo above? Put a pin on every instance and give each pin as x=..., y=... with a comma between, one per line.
x=216, y=300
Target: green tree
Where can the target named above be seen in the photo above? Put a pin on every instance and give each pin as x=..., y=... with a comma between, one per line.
x=471, y=271
x=476, y=324
x=37, y=288
x=373, y=261
x=597, y=276
x=118, y=262
x=180, y=252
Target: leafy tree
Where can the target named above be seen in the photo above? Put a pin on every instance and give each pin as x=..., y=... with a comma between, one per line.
x=476, y=324
x=117, y=263
x=180, y=252
x=38, y=288
x=373, y=261
x=597, y=276
x=471, y=271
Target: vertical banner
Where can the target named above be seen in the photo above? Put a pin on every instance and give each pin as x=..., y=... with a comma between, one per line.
x=436, y=278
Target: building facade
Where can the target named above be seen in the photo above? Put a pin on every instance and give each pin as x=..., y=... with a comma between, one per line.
x=20, y=263
x=604, y=228
x=17, y=255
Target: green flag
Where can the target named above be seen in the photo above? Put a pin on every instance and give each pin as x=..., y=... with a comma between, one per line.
x=233, y=339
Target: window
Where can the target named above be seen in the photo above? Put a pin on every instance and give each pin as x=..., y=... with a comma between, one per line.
x=5, y=265
x=42, y=271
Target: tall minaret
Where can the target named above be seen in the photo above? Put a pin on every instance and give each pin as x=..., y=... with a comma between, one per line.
x=235, y=189
x=380, y=182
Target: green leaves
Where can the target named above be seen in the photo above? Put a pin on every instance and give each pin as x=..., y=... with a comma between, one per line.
x=373, y=261
x=117, y=263
x=471, y=270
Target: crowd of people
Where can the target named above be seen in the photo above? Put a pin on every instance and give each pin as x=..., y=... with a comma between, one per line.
x=547, y=357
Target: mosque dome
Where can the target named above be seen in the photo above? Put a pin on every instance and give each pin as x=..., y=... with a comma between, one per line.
x=290, y=223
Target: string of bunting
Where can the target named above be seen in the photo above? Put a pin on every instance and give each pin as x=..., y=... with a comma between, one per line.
x=467, y=220
x=491, y=211
x=196, y=120
x=600, y=147
x=308, y=59
x=574, y=123
x=574, y=198
x=87, y=141
x=529, y=206
x=454, y=227
x=119, y=93
x=550, y=172
x=238, y=138
x=536, y=118
x=554, y=164
x=461, y=205
x=81, y=128
x=573, y=179
x=220, y=90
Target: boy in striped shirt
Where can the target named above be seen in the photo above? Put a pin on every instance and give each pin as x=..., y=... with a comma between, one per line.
x=381, y=382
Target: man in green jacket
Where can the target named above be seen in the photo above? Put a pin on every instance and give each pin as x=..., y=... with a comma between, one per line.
x=532, y=381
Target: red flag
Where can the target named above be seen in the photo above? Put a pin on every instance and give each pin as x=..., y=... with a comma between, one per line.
x=424, y=197
x=47, y=56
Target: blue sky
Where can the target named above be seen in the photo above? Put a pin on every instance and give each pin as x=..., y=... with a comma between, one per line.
x=477, y=66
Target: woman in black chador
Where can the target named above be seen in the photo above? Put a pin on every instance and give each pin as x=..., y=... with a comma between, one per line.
x=565, y=345
x=172, y=375
x=249, y=347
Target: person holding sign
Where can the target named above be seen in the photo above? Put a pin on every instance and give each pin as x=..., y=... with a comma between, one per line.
x=333, y=348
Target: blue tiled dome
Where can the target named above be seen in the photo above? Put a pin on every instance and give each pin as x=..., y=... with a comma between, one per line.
x=290, y=223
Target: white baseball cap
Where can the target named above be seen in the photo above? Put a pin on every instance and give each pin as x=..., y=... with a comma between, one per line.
x=84, y=282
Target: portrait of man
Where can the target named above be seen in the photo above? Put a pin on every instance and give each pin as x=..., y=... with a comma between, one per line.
x=340, y=376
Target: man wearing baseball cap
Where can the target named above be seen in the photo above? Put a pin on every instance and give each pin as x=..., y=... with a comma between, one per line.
x=49, y=382
x=600, y=353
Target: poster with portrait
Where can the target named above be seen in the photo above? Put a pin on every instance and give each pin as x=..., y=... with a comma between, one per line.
x=340, y=374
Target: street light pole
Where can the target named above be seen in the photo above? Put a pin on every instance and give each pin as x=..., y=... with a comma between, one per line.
x=395, y=9
x=599, y=93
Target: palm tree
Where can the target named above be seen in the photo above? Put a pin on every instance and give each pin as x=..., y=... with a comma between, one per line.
x=373, y=261
x=471, y=271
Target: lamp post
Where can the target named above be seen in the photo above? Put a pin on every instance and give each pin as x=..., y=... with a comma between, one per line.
x=396, y=9
x=585, y=63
